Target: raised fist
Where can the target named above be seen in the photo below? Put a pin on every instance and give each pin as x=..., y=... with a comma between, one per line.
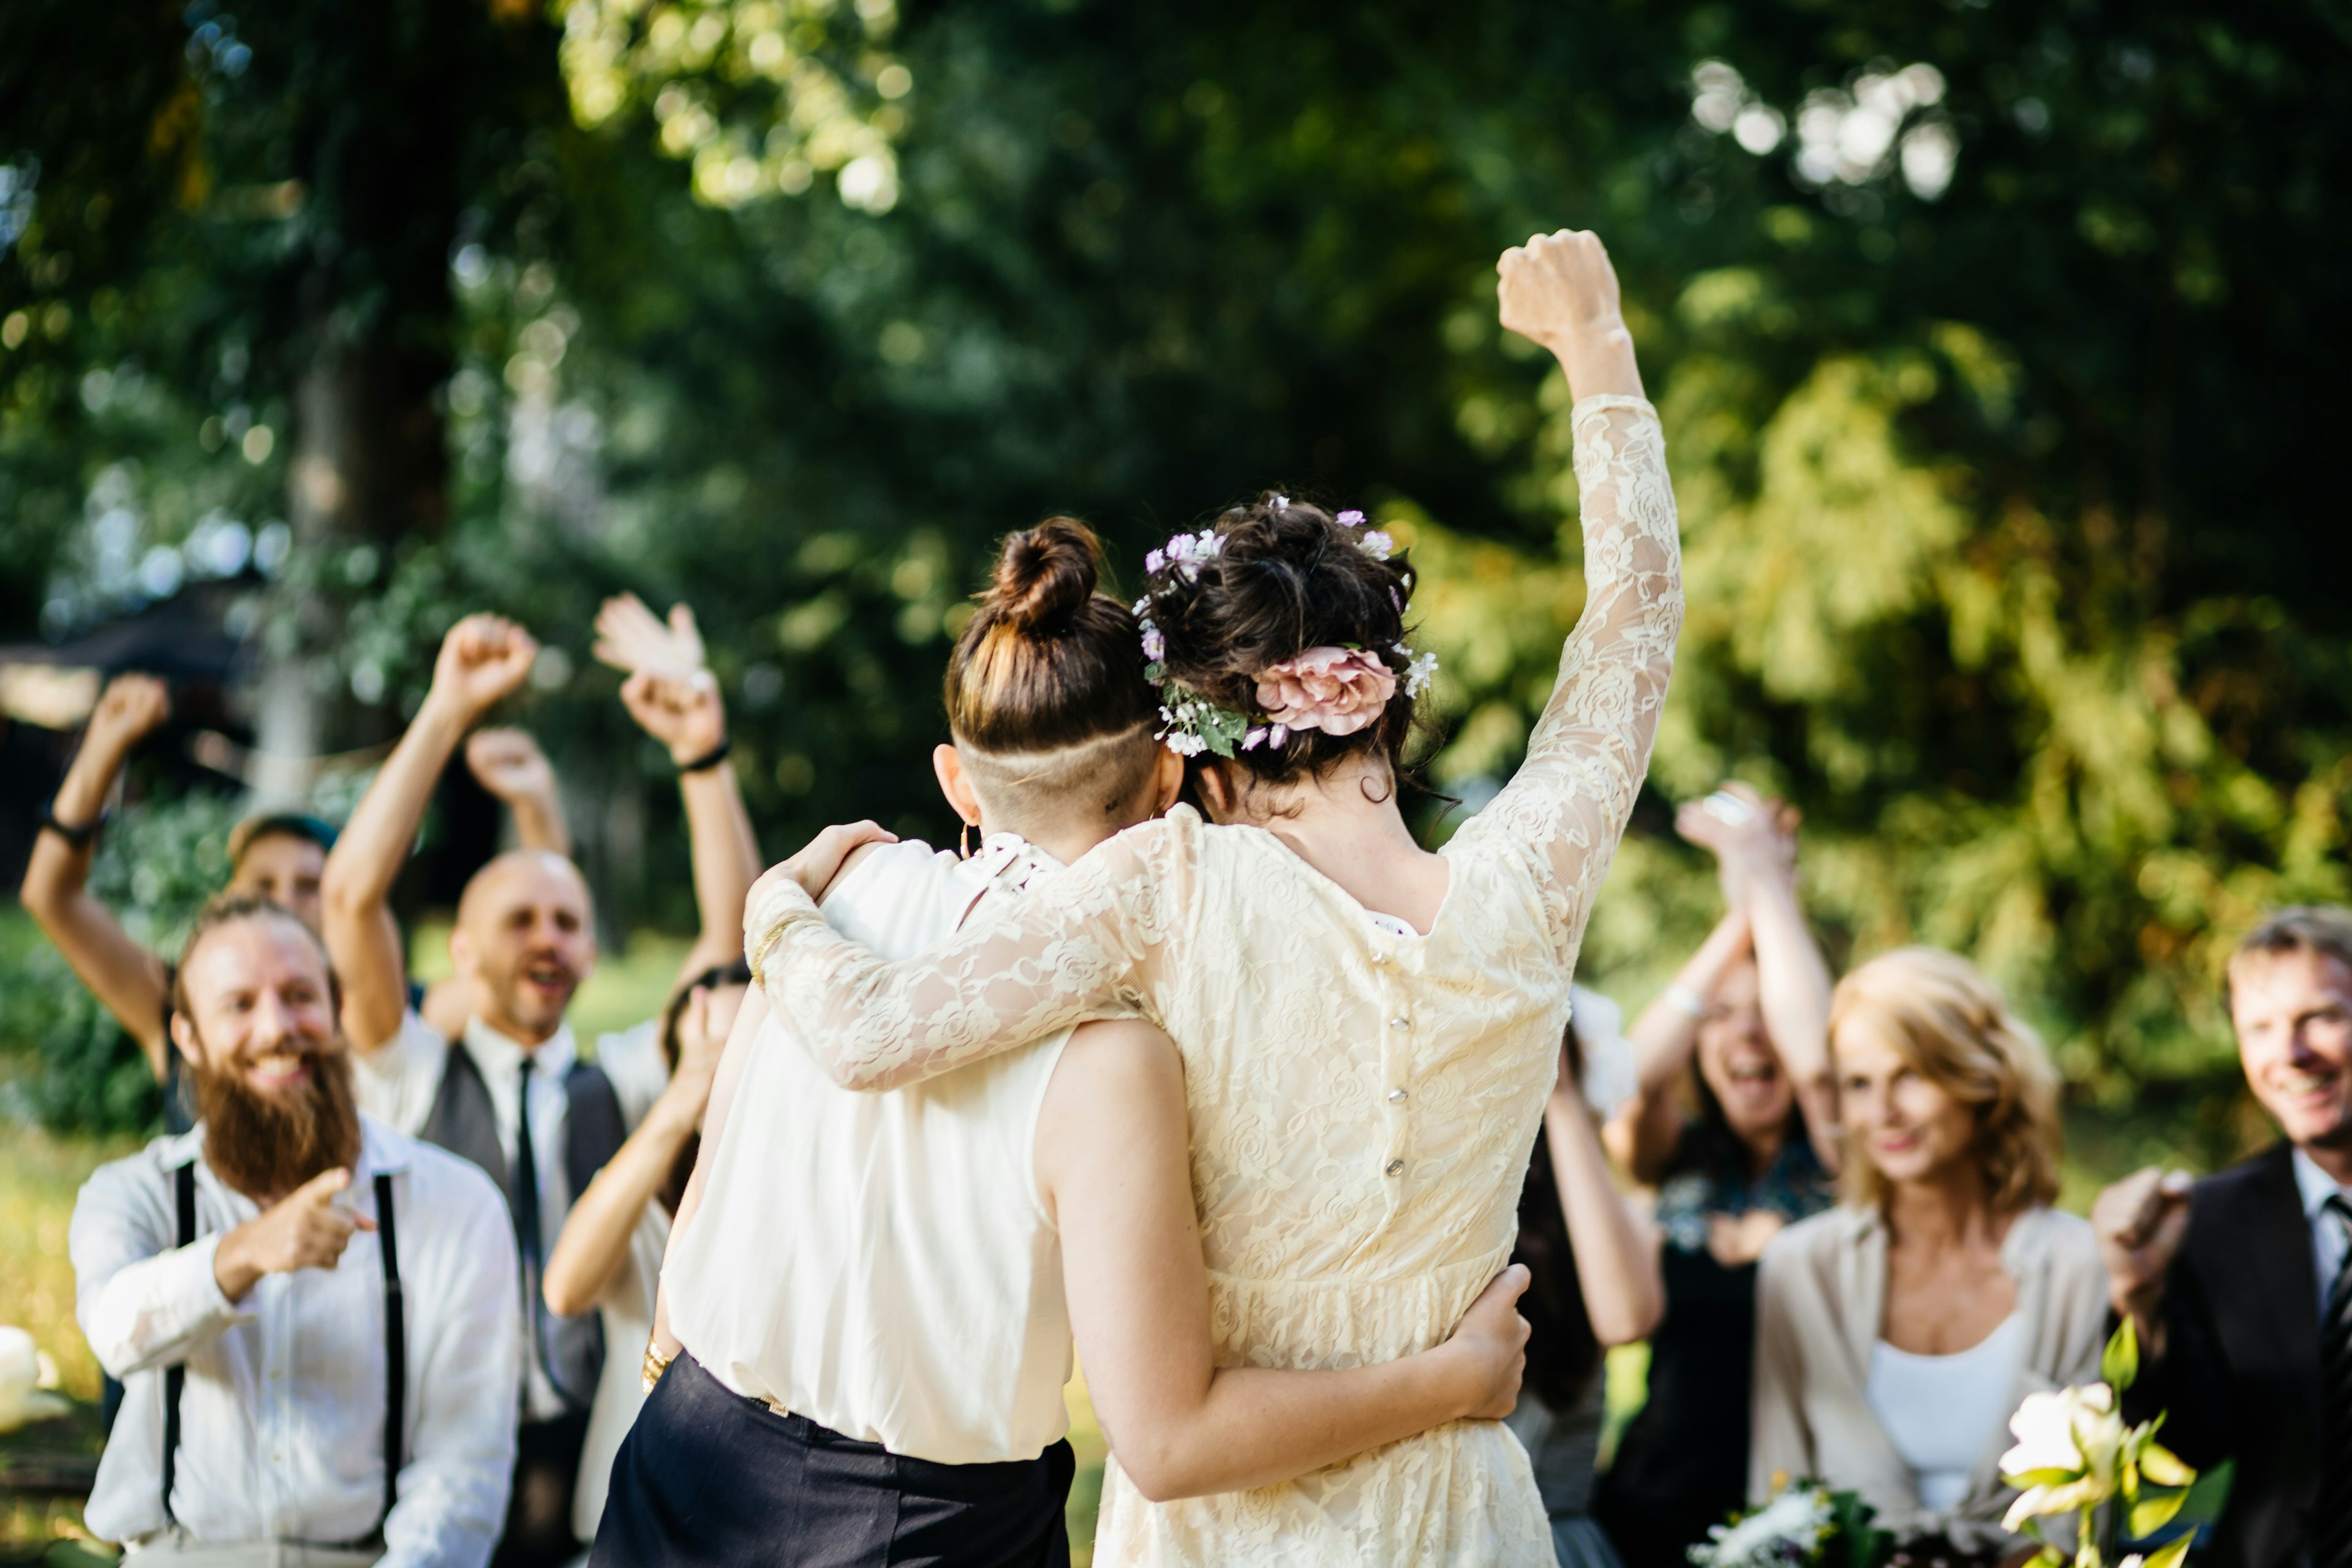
x=1560, y=291
x=2140, y=1222
x=483, y=659
x=509, y=764
x=629, y=638
x=128, y=712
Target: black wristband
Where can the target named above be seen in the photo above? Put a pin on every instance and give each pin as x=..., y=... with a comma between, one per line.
x=78, y=838
x=710, y=759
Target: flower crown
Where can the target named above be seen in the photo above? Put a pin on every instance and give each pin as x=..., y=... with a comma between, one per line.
x=1338, y=690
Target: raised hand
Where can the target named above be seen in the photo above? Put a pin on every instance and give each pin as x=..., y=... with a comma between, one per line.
x=1560, y=291
x=629, y=638
x=1747, y=834
x=484, y=659
x=508, y=763
x=683, y=713
x=304, y=1229
x=2140, y=1222
x=130, y=709
x=1492, y=1340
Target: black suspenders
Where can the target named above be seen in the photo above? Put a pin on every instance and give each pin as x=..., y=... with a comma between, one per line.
x=395, y=1344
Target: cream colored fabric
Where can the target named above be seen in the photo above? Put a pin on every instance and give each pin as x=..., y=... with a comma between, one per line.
x=883, y=1264
x=1361, y=1102
x=1821, y=1303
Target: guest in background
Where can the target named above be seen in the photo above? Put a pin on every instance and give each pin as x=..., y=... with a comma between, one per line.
x=1593, y=1262
x=512, y=1090
x=278, y=856
x=1897, y=1333
x=314, y=1316
x=1749, y=1013
x=2240, y=1286
x=610, y=1254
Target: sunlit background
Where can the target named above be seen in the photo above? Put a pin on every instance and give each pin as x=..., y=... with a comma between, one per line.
x=1998, y=347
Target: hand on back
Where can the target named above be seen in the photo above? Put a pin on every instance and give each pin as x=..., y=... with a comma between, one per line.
x=129, y=710
x=483, y=660
x=509, y=764
x=820, y=859
x=304, y=1229
x=1492, y=1342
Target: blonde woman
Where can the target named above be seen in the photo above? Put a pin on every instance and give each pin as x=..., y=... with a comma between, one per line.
x=1897, y=1332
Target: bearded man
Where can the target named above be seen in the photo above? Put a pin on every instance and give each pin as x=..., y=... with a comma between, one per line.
x=510, y=1089
x=314, y=1317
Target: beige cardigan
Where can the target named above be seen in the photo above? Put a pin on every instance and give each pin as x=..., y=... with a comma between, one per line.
x=1821, y=1296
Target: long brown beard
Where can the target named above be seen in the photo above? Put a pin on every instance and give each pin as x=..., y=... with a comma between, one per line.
x=266, y=1145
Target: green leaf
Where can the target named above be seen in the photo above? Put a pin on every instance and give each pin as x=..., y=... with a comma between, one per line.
x=2119, y=1366
x=2026, y=1480
x=2155, y=1509
x=2170, y=1554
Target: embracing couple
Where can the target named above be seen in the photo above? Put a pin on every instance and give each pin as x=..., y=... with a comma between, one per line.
x=1239, y=1099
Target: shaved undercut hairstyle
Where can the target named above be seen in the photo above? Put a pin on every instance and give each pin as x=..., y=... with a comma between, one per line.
x=1045, y=691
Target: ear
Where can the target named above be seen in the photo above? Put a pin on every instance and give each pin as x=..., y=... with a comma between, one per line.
x=183, y=1035
x=461, y=950
x=955, y=783
x=1216, y=791
x=1167, y=781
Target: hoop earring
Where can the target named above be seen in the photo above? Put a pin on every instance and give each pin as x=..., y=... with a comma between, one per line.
x=963, y=843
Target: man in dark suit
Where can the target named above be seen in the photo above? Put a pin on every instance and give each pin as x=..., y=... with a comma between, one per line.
x=2240, y=1285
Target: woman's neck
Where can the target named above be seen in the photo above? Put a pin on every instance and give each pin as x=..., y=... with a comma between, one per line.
x=1944, y=1209
x=1348, y=826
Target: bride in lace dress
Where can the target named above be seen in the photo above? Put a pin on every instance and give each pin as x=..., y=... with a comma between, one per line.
x=1369, y=1031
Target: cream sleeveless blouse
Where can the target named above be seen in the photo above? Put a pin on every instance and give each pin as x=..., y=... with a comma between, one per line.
x=883, y=1264
x=1361, y=1102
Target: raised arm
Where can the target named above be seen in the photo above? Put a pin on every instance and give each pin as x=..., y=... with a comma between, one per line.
x=508, y=763
x=1643, y=1132
x=482, y=659
x=1090, y=943
x=674, y=698
x=1755, y=843
x=1112, y=1159
x=1590, y=747
x=125, y=977
x=1616, y=1249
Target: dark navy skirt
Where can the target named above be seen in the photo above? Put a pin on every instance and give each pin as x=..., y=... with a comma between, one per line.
x=707, y=1476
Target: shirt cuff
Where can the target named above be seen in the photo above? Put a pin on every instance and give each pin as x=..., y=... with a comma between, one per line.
x=161, y=1305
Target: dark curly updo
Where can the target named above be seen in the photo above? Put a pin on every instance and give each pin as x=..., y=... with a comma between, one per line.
x=1286, y=577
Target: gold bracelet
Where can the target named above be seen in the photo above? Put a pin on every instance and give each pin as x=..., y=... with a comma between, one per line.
x=656, y=1364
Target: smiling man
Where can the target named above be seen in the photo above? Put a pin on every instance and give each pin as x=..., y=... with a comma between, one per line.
x=2240, y=1285
x=313, y=1316
x=510, y=1090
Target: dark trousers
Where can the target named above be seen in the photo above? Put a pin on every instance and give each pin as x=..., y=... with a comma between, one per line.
x=539, y=1509
x=707, y=1476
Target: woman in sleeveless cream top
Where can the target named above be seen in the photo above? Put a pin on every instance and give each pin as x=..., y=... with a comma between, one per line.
x=1363, y=1094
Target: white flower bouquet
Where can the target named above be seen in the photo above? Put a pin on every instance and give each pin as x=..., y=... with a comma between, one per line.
x=1804, y=1524
x=2074, y=1455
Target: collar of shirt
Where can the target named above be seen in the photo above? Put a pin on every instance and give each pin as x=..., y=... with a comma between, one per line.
x=2315, y=1185
x=499, y=1055
x=1005, y=861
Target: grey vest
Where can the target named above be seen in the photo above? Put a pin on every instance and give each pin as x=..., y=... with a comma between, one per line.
x=570, y=1350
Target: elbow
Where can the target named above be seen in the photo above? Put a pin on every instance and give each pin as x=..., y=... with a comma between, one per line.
x=1163, y=1472
x=1629, y=1323
x=342, y=895
x=564, y=1295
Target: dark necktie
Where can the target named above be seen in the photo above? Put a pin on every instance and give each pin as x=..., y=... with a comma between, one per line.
x=525, y=1187
x=2331, y=1514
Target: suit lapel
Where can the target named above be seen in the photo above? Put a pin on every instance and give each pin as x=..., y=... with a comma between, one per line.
x=2270, y=1240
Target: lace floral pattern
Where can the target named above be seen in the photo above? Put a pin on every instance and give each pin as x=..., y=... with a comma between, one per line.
x=1361, y=1101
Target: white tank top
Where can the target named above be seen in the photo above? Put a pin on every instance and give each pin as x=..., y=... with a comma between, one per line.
x=1941, y=1411
x=883, y=1264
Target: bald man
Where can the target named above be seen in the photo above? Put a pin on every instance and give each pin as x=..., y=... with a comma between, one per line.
x=510, y=1089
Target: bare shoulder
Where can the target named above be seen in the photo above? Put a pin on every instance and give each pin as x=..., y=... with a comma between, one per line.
x=1116, y=1057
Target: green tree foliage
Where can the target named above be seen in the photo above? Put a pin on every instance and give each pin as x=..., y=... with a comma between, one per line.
x=1993, y=342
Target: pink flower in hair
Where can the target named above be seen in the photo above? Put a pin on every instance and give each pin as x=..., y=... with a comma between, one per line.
x=1335, y=690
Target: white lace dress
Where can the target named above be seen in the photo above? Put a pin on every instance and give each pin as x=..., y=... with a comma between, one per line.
x=1362, y=1099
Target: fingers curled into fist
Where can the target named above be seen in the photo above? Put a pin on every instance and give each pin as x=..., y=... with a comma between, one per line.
x=483, y=660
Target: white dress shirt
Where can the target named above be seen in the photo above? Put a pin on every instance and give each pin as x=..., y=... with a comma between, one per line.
x=281, y=1417
x=399, y=1081
x=2315, y=1187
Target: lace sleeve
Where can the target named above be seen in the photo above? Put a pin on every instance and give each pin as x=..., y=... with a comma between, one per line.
x=1585, y=762
x=1086, y=944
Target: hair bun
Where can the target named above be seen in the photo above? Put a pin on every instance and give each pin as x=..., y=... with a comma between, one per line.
x=1044, y=576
